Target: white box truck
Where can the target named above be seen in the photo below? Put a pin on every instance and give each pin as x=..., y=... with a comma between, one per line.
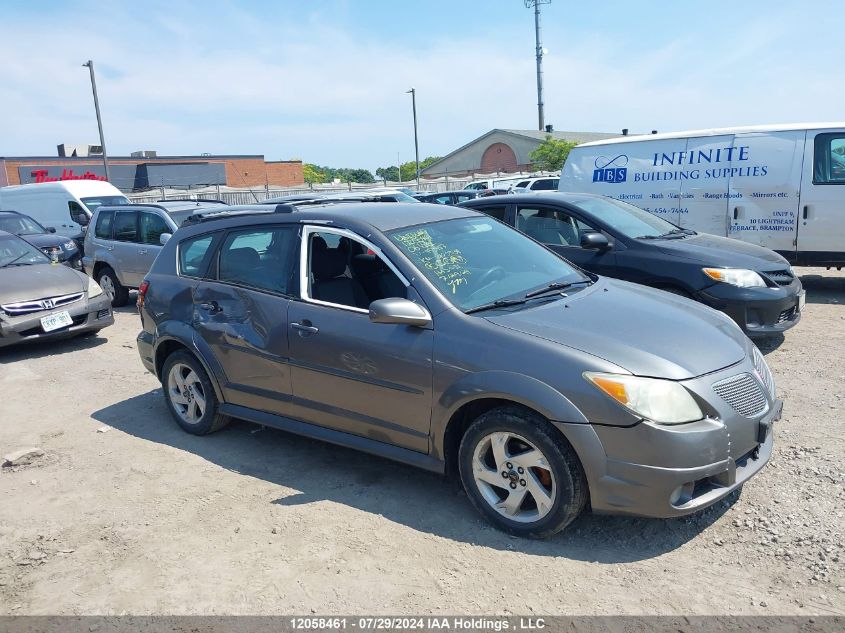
x=58, y=204
x=778, y=186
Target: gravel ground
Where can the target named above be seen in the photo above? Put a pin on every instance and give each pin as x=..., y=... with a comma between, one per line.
x=124, y=513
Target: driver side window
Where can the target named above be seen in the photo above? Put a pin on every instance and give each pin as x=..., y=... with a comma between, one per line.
x=548, y=226
x=345, y=272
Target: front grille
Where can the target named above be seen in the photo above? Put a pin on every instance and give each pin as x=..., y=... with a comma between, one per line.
x=764, y=372
x=787, y=315
x=39, y=305
x=743, y=393
x=780, y=277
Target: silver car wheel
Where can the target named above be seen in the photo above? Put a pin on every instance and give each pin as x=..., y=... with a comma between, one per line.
x=186, y=393
x=514, y=477
x=107, y=285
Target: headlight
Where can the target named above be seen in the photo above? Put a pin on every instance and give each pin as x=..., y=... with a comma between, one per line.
x=736, y=277
x=94, y=289
x=69, y=246
x=662, y=401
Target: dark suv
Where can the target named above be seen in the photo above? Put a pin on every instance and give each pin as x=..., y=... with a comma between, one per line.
x=440, y=337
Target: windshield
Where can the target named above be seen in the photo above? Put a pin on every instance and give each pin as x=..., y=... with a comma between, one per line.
x=625, y=218
x=16, y=252
x=109, y=201
x=475, y=261
x=20, y=225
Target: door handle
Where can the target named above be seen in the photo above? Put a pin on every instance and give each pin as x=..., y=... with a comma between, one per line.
x=211, y=306
x=806, y=211
x=736, y=213
x=305, y=328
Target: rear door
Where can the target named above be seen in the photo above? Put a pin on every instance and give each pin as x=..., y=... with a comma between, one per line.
x=125, y=246
x=821, y=226
x=241, y=311
x=765, y=177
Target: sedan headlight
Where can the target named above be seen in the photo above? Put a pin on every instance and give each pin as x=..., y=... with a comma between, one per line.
x=736, y=277
x=662, y=401
x=94, y=289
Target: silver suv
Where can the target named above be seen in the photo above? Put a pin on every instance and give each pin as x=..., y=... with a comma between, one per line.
x=442, y=338
x=122, y=242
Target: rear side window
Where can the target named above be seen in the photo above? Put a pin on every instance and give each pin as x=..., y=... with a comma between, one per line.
x=547, y=184
x=103, y=227
x=126, y=226
x=152, y=227
x=829, y=159
x=194, y=254
x=260, y=258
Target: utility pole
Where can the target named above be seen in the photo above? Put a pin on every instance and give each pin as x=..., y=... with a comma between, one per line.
x=90, y=66
x=539, y=51
x=413, y=92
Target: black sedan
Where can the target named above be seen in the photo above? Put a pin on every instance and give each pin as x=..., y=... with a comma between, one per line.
x=755, y=286
x=56, y=247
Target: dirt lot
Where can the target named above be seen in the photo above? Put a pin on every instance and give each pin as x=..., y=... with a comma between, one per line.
x=125, y=513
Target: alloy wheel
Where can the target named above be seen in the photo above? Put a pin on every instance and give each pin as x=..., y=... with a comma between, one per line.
x=108, y=286
x=186, y=393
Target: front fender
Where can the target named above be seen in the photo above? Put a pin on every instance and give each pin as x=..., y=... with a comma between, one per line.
x=184, y=334
x=506, y=385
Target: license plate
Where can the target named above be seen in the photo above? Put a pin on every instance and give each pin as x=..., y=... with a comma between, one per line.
x=802, y=300
x=56, y=321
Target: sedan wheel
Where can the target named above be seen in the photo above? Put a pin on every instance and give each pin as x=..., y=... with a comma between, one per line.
x=514, y=477
x=186, y=392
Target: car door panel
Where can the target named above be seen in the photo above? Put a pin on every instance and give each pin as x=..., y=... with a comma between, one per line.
x=125, y=249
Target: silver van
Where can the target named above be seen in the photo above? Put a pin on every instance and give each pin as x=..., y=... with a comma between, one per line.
x=122, y=242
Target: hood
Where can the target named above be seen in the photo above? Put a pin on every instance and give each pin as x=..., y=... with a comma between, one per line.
x=44, y=240
x=712, y=250
x=645, y=331
x=39, y=281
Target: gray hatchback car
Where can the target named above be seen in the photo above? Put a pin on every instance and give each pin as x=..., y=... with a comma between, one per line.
x=442, y=338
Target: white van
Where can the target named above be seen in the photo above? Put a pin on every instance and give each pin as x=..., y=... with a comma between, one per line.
x=58, y=204
x=778, y=186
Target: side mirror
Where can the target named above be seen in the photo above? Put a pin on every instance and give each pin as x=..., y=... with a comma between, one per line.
x=82, y=218
x=51, y=229
x=162, y=239
x=400, y=312
x=594, y=240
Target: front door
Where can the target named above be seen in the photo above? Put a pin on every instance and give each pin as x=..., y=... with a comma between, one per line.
x=822, y=206
x=561, y=231
x=241, y=311
x=348, y=373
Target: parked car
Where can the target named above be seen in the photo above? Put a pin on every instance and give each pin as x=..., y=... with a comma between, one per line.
x=543, y=183
x=40, y=300
x=756, y=287
x=450, y=197
x=123, y=241
x=439, y=337
x=65, y=205
x=56, y=247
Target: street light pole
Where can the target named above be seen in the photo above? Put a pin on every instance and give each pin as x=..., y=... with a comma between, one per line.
x=539, y=52
x=90, y=66
x=413, y=92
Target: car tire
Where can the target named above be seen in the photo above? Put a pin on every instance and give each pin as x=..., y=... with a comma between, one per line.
x=112, y=287
x=190, y=396
x=538, y=463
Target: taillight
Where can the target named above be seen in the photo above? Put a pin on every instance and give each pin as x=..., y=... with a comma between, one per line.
x=142, y=291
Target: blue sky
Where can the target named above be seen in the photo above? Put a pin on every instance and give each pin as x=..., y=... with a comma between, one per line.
x=325, y=81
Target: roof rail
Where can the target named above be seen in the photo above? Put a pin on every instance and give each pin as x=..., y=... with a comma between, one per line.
x=197, y=218
x=203, y=200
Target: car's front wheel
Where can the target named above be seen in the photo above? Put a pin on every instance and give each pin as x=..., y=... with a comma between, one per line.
x=520, y=473
x=190, y=395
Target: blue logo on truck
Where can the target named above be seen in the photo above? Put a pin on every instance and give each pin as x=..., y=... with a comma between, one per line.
x=611, y=169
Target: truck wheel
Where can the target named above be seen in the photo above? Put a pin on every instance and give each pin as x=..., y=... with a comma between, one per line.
x=118, y=293
x=520, y=473
x=190, y=395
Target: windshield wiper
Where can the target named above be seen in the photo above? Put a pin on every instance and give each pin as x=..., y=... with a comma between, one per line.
x=673, y=234
x=558, y=285
x=498, y=303
x=9, y=263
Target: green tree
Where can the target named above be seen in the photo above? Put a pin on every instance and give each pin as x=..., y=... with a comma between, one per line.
x=409, y=170
x=551, y=154
x=312, y=174
x=388, y=173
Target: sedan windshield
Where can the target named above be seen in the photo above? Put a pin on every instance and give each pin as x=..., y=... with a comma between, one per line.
x=625, y=218
x=20, y=225
x=109, y=201
x=479, y=261
x=16, y=252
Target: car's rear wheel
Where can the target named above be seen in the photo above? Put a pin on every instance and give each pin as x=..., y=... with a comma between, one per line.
x=520, y=473
x=117, y=292
x=190, y=395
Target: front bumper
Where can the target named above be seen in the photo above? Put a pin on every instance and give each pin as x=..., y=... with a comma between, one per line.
x=665, y=471
x=87, y=316
x=758, y=311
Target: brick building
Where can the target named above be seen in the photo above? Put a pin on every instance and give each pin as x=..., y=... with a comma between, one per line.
x=140, y=173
